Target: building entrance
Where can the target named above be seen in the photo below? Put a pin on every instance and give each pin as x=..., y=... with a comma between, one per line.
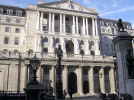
x=85, y=87
x=72, y=82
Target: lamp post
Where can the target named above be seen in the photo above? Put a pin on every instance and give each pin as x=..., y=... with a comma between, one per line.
x=34, y=89
x=99, y=94
x=59, y=53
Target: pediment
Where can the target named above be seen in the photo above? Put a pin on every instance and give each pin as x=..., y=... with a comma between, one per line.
x=67, y=5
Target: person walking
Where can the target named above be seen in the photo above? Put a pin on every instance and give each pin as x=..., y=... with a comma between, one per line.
x=70, y=93
x=64, y=92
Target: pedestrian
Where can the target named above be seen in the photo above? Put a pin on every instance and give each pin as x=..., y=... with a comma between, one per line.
x=64, y=92
x=70, y=93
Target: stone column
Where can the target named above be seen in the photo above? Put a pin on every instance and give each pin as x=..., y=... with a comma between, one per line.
x=77, y=26
x=83, y=25
x=63, y=42
x=97, y=51
x=73, y=24
x=112, y=82
x=64, y=24
x=87, y=48
x=53, y=22
x=87, y=26
x=65, y=77
x=38, y=20
x=41, y=22
x=60, y=23
x=93, y=27
x=102, y=80
x=49, y=21
x=96, y=27
x=52, y=77
x=80, y=81
x=91, y=79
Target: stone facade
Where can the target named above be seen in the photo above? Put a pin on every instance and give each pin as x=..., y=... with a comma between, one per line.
x=42, y=28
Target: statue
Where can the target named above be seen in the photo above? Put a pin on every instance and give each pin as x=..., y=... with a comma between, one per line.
x=120, y=25
x=129, y=64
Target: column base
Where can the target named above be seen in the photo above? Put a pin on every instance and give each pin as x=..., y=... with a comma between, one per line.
x=81, y=93
x=93, y=93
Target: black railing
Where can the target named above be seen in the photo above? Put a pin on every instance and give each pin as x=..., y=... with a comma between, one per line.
x=12, y=95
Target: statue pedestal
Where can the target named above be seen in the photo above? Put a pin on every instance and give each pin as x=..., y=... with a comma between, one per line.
x=123, y=42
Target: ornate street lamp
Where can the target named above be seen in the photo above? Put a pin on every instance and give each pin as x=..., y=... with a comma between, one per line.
x=99, y=94
x=35, y=63
x=59, y=53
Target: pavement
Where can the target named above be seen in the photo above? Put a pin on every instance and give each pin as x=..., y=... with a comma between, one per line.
x=82, y=97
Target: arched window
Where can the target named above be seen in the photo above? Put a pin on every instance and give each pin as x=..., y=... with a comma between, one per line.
x=45, y=39
x=16, y=51
x=67, y=29
x=57, y=40
x=4, y=51
x=82, y=42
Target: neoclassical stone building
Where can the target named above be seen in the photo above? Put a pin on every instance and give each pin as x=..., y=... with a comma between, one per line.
x=86, y=41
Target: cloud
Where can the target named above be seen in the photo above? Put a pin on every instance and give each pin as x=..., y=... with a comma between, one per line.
x=117, y=11
x=115, y=4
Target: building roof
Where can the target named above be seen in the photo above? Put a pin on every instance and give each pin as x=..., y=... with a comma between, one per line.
x=6, y=7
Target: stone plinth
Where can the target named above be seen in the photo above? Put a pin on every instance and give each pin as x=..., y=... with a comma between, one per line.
x=123, y=42
x=34, y=90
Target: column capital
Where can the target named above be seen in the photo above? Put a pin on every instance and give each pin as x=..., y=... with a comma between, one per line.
x=80, y=66
x=103, y=66
x=112, y=67
x=65, y=66
x=91, y=67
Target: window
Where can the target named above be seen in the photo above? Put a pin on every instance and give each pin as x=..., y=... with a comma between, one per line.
x=17, y=30
x=67, y=29
x=92, y=52
x=45, y=16
x=103, y=30
x=45, y=39
x=18, y=13
x=112, y=30
x=67, y=18
x=30, y=52
x=44, y=28
x=16, y=42
x=82, y=52
x=82, y=42
x=1, y=11
x=78, y=20
x=56, y=17
x=17, y=21
x=46, y=71
x=106, y=47
x=56, y=29
x=6, y=40
x=92, y=43
x=7, y=29
x=57, y=40
x=8, y=20
x=105, y=38
x=45, y=50
x=85, y=71
x=108, y=30
x=9, y=12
